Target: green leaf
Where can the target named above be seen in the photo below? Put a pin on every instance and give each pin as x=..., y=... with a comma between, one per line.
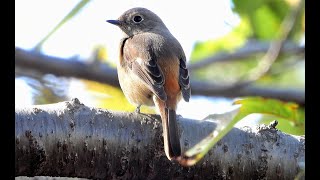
x=286, y=110
x=70, y=15
x=265, y=23
x=236, y=38
x=244, y=7
x=197, y=152
x=265, y=17
x=250, y=105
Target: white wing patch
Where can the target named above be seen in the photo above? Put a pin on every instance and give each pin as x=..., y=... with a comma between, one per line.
x=139, y=61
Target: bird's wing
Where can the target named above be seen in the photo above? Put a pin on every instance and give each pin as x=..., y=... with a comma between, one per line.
x=184, y=80
x=140, y=59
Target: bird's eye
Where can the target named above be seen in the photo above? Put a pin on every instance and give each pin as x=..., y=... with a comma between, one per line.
x=137, y=19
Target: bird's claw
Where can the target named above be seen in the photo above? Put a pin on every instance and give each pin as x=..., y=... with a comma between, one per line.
x=138, y=109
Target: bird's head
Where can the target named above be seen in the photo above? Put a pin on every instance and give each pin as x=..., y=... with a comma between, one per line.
x=139, y=20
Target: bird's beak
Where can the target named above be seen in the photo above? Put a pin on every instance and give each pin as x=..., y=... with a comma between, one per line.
x=114, y=22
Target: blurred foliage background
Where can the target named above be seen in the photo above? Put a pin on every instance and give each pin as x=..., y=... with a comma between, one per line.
x=259, y=25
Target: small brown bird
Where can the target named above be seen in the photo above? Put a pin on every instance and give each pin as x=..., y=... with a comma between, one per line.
x=152, y=70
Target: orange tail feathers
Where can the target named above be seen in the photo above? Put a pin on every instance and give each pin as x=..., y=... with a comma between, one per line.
x=171, y=137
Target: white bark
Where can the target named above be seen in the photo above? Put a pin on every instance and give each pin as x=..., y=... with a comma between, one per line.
x=72, y=140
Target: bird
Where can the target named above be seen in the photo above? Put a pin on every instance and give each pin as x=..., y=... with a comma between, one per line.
x=152, y=70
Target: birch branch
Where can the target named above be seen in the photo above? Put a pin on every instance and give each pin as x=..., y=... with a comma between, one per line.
x=70, y=139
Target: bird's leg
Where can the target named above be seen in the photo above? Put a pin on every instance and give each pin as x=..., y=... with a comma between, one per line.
x=179, y=116
x=138, y=109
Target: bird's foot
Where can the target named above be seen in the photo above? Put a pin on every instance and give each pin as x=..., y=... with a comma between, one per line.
x=138, y=109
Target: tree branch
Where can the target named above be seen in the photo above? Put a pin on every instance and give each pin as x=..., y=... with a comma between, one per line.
x=273, y=52
x=103, y=73
x=249, y=50
x=65, y=67
x=71, y=140
x=210, y=89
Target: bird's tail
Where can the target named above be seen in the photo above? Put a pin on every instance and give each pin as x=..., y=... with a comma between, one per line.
x=171, y=137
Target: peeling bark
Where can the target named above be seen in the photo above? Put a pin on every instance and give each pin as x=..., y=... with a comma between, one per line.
x=47, y=178
x=72, y=140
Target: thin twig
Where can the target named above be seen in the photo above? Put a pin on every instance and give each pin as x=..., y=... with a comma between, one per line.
x=265, y=64
x=268, y=59
x=70, y=15
x=249, y=50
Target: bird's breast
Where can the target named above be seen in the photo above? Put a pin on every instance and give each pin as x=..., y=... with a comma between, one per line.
x=133, y=88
